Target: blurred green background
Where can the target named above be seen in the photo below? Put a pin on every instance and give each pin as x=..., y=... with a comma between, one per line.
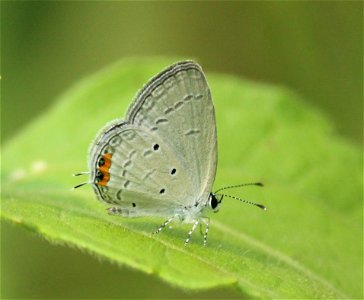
x=315, y=48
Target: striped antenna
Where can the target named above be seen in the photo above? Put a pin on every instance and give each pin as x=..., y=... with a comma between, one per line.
x=239, y=185
x=242, y=200
x=81, y=173
x=81, y=184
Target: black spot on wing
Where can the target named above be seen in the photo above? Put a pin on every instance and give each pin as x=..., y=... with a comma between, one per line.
x=101, y=162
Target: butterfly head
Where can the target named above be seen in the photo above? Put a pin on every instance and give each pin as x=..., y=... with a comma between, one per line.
x=215, y=198
x=214, y=202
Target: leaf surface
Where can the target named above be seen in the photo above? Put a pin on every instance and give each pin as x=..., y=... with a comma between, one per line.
x=308, y=244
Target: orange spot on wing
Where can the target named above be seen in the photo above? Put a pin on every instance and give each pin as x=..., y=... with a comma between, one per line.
x=104, y=180
x=105, y=169
x=107, y=157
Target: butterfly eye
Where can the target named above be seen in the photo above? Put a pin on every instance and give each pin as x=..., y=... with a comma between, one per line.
x=213, y=202
x=99, y=176
x=156, y=147
x=162, y=191
x=173, y=171
x=101, y=162
x=133, y=204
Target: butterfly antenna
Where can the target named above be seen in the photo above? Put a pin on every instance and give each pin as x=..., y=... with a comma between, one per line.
x=81, y=173
x=79, y=185
x=245, y=201
x=239, y=185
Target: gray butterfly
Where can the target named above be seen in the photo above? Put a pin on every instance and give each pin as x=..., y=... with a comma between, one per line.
x=161, y=161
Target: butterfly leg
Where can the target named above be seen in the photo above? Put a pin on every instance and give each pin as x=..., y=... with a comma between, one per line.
x=164, y=225
x=206, y=220
x=201, y=230
x=191, y=231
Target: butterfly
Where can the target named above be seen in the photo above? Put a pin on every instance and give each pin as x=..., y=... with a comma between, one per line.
x=161, y=160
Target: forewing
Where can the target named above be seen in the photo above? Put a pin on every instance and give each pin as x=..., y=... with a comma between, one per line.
x=176, y=105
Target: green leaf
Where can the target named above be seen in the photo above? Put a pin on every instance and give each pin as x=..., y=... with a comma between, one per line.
x=308, y=244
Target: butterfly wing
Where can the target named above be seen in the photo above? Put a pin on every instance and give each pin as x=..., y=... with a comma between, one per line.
x=177, y=105
x=163, y=157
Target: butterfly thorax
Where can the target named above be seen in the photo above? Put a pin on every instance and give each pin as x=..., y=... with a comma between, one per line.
x=199, y=210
